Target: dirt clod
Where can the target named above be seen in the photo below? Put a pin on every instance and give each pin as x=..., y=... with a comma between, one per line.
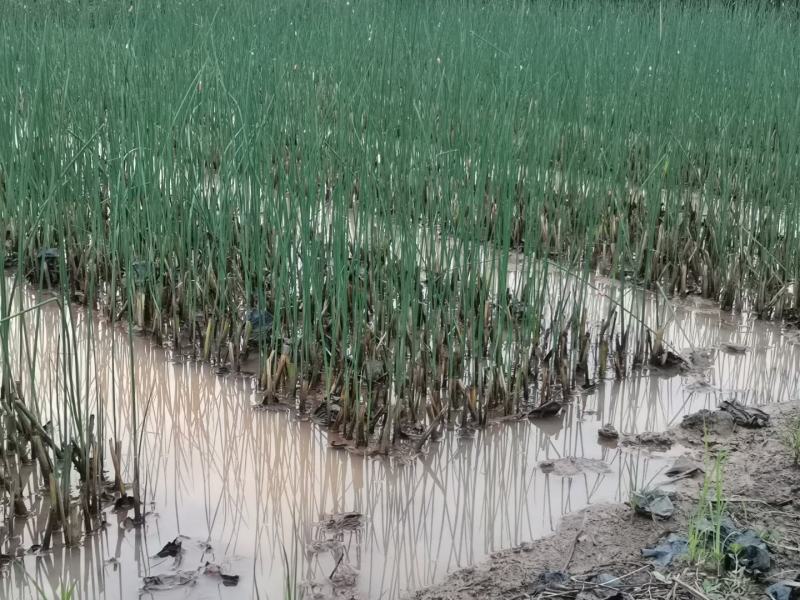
x=716, y=422
x=608, y=432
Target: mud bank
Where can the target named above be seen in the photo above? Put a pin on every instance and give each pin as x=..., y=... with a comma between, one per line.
x=761, y=485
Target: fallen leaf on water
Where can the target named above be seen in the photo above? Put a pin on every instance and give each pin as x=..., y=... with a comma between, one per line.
x=172, y=548
x=169, y=581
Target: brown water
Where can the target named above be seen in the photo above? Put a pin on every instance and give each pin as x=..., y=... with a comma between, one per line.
x=251, y=483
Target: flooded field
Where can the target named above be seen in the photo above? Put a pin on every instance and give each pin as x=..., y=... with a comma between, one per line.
x=330, y=300
x=239, y=485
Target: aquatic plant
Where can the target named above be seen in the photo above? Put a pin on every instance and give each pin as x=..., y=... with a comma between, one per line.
x=707, y=543
x=342, y=185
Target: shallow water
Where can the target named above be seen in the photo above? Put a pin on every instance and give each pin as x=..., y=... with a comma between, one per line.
x=251, y=483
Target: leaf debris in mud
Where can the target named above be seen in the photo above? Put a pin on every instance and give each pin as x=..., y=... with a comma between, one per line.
x=746, y=416
x=654, y=503
x=548, y=409
x=672, y=547
x=732, y=348
x=214, y=570
x=169, y=581
x=321, y=546
x=570, y=466
x=346, y=521
x=124, y=503
x=172, y=548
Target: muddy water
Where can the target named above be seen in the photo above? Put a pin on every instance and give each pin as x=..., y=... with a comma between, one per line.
x=244, y=485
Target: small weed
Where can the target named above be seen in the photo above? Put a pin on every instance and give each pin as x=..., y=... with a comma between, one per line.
x=706, y=544
x=66, y=594
x=791, y=438
x=62, y=592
